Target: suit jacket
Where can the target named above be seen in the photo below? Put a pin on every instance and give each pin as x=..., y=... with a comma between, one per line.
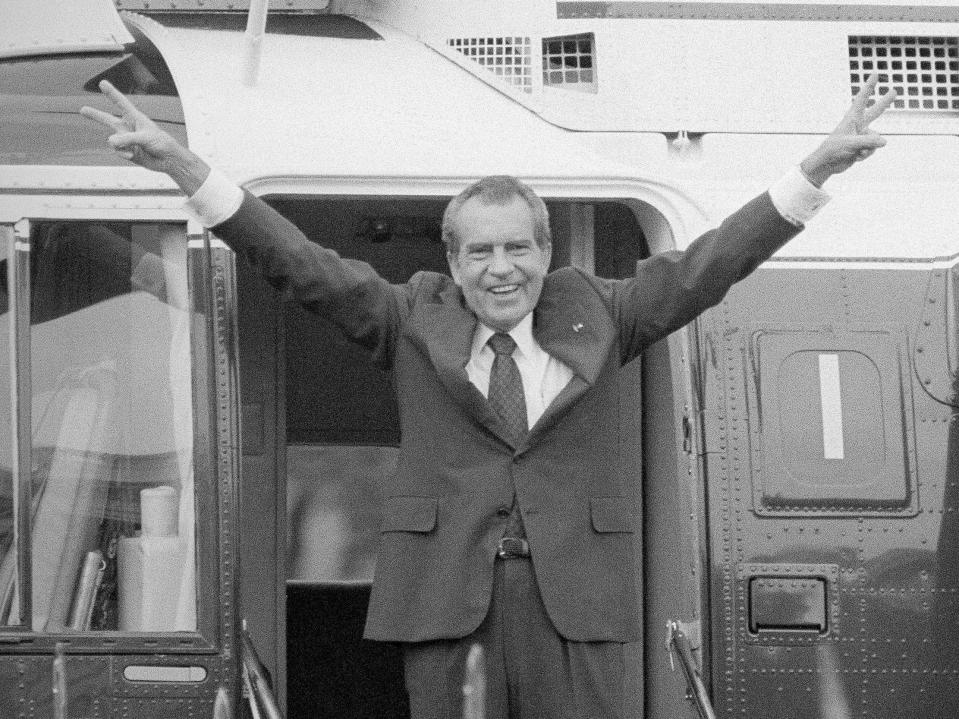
x=457, y=469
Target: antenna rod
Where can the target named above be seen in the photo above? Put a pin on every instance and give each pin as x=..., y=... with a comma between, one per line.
x=253, y=40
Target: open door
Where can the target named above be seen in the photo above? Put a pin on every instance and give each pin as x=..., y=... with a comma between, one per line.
x=320, y=437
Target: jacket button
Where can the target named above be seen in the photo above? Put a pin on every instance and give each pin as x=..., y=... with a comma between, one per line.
x=502, y=512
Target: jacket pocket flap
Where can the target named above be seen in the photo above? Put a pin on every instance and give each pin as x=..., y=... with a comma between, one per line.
x=409, y=514
x=611, y=514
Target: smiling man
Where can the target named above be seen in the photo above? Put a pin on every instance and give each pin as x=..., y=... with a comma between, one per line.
x=498, y=253
x=504, y=523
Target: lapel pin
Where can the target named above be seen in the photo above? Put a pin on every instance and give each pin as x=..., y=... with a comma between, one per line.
x=577, y=327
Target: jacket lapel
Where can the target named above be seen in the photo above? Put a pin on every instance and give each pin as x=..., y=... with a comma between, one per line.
x=444, y=330
x=579, y=333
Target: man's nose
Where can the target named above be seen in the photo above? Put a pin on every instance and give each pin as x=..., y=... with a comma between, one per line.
x=499, y=263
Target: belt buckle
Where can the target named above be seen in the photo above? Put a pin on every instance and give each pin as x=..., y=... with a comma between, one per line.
x=512, y=547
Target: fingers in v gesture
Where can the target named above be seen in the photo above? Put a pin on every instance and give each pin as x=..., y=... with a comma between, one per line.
x=138, y=138
x=852, y=140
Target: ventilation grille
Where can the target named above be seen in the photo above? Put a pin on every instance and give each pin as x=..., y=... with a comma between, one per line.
x=568, y=62
x=925, y=70
x=507, y=57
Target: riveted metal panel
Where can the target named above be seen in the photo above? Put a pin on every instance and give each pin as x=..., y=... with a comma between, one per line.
x=33, y=27
x=217, y=5
x=893, y=597
x=822, y=12
x=936, y=370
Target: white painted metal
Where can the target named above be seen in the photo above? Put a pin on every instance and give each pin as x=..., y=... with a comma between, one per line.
x=104, y=205
x=395, y=117
x=676, y=74
x=29, y=27
x=357, y=107
x=902, y=203
x=218, y=5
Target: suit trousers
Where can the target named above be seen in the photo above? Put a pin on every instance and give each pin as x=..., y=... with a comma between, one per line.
x=531, y=671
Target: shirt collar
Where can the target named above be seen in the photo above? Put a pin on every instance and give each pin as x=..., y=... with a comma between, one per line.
x=522, y=334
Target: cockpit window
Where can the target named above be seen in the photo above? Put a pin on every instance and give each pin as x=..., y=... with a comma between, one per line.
x=40, y=99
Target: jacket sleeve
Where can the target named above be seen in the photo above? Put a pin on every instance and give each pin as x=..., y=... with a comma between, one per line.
x=672, y=288
x=349, y=293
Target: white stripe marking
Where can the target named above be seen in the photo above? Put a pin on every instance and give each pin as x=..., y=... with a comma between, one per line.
x=830, y=395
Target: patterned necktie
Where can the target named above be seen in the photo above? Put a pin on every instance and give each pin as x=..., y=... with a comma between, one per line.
x=506, y=386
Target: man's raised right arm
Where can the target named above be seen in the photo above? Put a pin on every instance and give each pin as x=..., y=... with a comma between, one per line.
x=348, y=292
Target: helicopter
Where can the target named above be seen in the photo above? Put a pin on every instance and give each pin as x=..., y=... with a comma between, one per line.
x=191, y=474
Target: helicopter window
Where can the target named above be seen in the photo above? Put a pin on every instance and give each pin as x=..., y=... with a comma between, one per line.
x=111, y=540
x=39, y=123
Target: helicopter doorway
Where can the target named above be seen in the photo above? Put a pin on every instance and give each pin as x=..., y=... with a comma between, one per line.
x=320, y=438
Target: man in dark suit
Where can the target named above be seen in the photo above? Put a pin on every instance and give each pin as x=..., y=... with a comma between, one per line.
x=503, y=525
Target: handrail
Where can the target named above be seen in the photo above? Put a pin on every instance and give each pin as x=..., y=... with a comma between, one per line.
x=677, y=642
x=261, y=694
x=59, y=687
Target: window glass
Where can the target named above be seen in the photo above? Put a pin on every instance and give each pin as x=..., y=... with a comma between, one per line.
x=6, y=400
x=112, y=513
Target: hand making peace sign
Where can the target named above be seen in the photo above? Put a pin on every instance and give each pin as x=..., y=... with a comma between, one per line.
x=138, y=139
x=853, y=139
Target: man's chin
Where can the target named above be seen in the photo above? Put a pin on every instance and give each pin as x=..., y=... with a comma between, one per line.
x=501, y=322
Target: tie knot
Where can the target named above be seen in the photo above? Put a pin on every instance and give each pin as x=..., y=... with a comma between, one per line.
x=502, y=344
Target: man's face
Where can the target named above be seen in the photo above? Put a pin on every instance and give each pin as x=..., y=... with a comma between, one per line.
x=498, y=264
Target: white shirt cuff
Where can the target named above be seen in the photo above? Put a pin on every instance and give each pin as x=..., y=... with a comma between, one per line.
x=796, y=198
x=216, y=201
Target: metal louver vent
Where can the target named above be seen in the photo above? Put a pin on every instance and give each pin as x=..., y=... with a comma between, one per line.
x=569, y=62
x=507, y=57
x=925, y=70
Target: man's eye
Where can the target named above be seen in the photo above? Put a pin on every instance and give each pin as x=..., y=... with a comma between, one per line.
x=518, y=250
x=477, y=254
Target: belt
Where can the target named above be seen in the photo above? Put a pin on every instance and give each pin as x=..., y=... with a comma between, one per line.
x=512, y=548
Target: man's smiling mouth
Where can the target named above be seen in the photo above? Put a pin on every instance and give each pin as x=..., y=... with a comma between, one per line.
x=503, y=289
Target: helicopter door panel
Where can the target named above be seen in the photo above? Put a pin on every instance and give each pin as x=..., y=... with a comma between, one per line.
x=108, y=537
x=831, y=492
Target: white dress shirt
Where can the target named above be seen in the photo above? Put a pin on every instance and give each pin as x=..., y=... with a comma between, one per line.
x=543, y=376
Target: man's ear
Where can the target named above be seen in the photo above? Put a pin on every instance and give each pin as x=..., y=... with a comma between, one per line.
x=454, y=267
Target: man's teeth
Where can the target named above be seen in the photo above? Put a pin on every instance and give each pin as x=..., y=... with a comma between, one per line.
x=503, y=289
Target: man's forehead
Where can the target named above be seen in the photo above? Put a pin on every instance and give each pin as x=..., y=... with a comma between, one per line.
x=476, y=214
